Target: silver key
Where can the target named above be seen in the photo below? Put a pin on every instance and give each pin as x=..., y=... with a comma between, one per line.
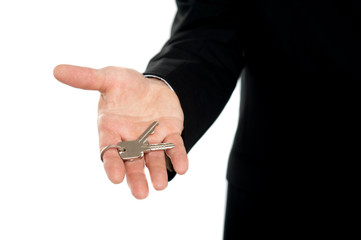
x=135, y=149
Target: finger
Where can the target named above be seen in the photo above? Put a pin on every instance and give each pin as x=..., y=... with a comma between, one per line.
x=178, y=154
x=113, y=164
x=155, y=162
x=136, y=178
x=80, y=77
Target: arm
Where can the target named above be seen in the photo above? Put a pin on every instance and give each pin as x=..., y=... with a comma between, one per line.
x=198, y=51
x=202, y=61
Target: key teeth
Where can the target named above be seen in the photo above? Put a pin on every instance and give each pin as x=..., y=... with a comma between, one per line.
x=148, y=131
x=161, y=146
x=155, y=123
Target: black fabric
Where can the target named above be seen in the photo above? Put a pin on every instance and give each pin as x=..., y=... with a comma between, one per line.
x=279, y=214
x=171, y=175
x=301, y=67
x=253, y=215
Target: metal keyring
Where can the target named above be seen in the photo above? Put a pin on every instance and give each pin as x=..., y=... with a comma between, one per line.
x=107, y=148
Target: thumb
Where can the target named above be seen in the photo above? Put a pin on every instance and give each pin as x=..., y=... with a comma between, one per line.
x=80, y=77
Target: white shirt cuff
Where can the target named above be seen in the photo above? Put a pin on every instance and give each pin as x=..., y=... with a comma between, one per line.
x=157, y=77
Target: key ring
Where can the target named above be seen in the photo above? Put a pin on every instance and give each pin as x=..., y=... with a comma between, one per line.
x=107, y=148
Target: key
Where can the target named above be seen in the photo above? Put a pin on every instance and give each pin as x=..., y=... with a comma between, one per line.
x=129, y=150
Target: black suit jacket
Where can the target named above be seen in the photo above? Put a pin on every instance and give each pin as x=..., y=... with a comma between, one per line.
x=300, y=64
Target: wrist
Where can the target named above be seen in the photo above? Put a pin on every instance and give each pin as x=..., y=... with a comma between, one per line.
x=159, y=79
x=164, y=93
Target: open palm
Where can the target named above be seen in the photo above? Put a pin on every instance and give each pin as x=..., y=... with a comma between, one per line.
x=128, y=104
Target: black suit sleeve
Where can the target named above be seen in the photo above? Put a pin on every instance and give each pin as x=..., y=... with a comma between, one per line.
x=202, y=61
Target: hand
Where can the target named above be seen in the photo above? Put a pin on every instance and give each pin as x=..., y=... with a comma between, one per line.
x=128, y=104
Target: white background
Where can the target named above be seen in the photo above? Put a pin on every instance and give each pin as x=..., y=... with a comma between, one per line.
x=52, y=182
